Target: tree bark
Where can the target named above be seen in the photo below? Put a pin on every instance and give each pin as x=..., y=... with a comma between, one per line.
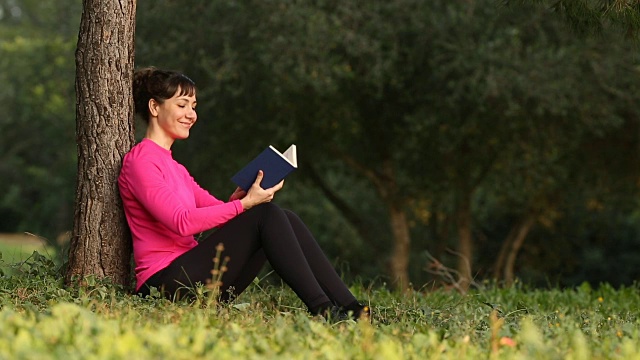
x=465, y=245
x=511, y=246
x=387, y=187
x=101, y=243
x=399, y=262
x=498, y=266
x=516, y=245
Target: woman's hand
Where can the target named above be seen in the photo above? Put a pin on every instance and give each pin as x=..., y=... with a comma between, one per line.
x=238, y=194
x=257, y=195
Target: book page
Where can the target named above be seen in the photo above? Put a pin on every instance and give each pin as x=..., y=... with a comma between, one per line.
x=290, y=155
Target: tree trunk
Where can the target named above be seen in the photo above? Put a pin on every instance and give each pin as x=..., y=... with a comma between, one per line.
x=400, y=258
x=101, y=243
x=518, y=232
x=387, y=187
x=498, y=266
x=465, y=245
x=516, y=245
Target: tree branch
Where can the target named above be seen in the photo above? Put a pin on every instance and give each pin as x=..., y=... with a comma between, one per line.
x=349, y=213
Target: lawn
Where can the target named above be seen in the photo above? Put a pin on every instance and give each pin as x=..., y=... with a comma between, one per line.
x=15, y=248
x=39, y=318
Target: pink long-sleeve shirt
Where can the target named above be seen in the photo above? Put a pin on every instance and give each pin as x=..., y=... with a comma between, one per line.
x=165, y=207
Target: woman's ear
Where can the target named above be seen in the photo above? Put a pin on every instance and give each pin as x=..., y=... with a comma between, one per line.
x=153, y=107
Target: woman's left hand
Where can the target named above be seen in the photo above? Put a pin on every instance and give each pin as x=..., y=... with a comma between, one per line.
x=238, y=194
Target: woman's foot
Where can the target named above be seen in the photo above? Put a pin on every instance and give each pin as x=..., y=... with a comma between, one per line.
x=359, y=311
x=336, y=314
x=354, y=311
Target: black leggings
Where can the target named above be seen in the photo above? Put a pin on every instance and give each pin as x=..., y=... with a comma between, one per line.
x=264, y=232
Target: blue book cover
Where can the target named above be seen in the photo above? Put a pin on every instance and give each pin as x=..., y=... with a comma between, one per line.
x=275, y=165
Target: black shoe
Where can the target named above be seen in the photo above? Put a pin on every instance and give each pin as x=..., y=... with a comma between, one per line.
x=336, y=314
x=355, y=312
x=359, y=311
x=362, y=312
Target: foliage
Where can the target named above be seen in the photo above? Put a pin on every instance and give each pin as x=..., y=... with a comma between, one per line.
x=41, y=319
x=465, y=95
x=37, y=148
x=437, y=105
x=594, y=16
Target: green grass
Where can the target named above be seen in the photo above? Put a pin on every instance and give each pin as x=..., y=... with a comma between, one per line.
x=39, y=318
x=13, y=250
x=13, y=253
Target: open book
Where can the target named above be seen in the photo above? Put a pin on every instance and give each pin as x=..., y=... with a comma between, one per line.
x=275, y=165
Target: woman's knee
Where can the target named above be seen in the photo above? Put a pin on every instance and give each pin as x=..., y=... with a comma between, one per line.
x=267, y=213
x=291, y=215
x=260, y=211
x=267, y=208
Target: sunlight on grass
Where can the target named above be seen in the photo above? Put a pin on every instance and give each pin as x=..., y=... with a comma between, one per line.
x=40, y=318
x=15, y=248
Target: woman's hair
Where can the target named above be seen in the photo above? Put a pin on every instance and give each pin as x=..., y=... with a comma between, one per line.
x=160, y=85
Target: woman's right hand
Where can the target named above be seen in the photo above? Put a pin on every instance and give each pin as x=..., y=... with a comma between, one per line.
x=257, y=195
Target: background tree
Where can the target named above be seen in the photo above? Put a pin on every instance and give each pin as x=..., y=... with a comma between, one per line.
x=507, y=128
x=594, y=16
x=101, y=244
x=523, y=97
x=429, y=107
x=37, y=147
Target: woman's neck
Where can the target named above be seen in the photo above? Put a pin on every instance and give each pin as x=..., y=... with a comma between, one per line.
x=159, y=138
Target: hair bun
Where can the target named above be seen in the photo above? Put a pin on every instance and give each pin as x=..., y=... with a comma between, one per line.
x=141, y=78
x=141, y=93
x=153, y=83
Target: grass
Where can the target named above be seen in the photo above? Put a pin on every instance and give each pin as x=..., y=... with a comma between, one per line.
x=40, y=318
x=16, y=251
x=15, y=248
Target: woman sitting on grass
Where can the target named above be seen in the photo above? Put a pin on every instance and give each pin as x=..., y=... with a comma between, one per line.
x=165, y=207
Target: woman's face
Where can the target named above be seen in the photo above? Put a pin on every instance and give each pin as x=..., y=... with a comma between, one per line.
x=175, y=115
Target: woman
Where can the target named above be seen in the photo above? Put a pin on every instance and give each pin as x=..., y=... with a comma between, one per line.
x=165, y=207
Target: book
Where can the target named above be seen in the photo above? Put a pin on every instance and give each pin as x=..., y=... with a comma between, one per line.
x=274, y=164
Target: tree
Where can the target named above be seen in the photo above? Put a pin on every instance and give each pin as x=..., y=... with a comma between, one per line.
x=425, y=105
x=37, y=148
x=101, y=244
x=435, y=102
x=594, y=16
